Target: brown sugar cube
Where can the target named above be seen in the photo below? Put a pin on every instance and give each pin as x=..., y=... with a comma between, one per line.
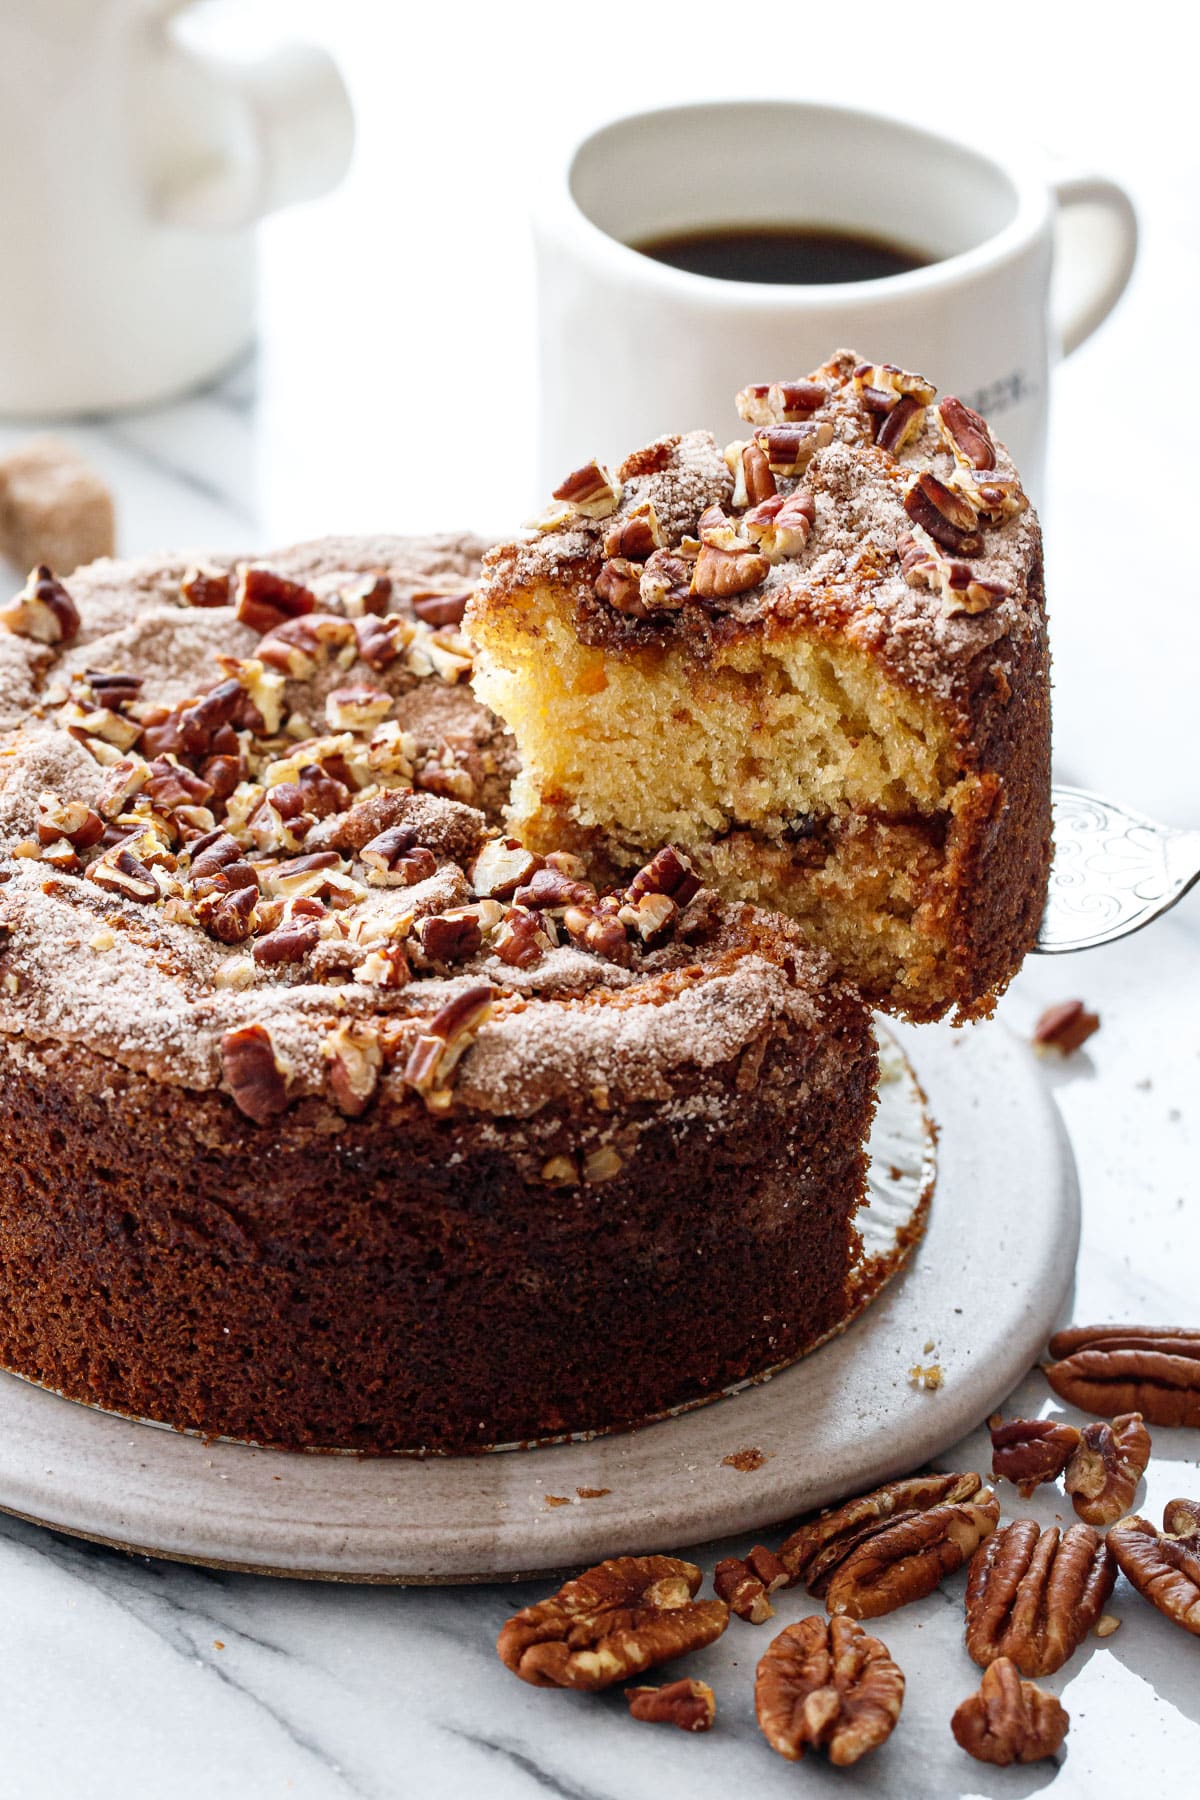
x=54, y=508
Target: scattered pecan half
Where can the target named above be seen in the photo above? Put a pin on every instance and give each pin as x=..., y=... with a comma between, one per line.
x=1030, y=1451
x=818, y=1545
x=1164, y=1566
x=1103, y=1474
x=43, y=610
x=906, y=1559
x=1009, y=1720
x=826, y=1683
x=637, y=536
x=1034, y=1595
x=720, y=574
x=747, y=1583
x=611, y=1622
x=205, y=587
x=1111, y=1369
x=257, y=1078
x=691, y=1705
x=265, y=599
x=1063, y=1027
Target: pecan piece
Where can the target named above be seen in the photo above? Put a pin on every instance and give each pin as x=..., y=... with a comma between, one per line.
x=818, y=1545
x=966, y=434
x=449, y=937
x=612, y=1621
x=552, y=889
x=523, y=938
x=440, y=1046
x=120, y=871
x=205, y=587
x=826, y=1683
x=1164, y=1566
x=905, y=1560
x=43, y=610
x=780, y=402
x=290, y=942
x=70, y=819
x=780, y=527
x=230, y=917
x=665, y=582
x=438, y=610
x=691, y=1705
x=790, y=448
x=502, y=866
x=1030, y=1451
x=1064, y=1027
x=900, y=425
x=619, y=584
x=1103, y=1474
x=747, y=1583
x=591, y=491
x=668, y=872
x=637, y=536
x=265, y=599
x=355, y=1059
x=1034, y=1595
x=1111, y=1369
x=947, y=516
x=358, y=708
x=371, y=592
x=394, y=858
x=257, y=1078
x=1009, y=1720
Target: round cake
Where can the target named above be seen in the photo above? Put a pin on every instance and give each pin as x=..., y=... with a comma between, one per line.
x=816, y=659
x=332, y=1117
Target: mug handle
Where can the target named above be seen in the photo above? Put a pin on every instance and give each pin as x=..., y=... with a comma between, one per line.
x=290, y=137
x=1096, y=218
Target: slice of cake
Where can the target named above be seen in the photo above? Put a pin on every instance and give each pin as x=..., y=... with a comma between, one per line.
x=816, y=659
x=331, y=1116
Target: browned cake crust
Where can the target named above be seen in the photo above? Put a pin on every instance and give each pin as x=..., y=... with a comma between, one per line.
x=848, y=718
x=423, y=1145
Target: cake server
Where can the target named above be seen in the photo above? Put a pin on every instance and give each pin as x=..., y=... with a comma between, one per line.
x=1113, y=872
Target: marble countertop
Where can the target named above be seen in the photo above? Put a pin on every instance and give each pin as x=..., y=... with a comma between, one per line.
x=126, y=1676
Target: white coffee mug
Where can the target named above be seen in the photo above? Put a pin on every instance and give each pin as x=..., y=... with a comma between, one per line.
x=632, y=348
x=132, y=168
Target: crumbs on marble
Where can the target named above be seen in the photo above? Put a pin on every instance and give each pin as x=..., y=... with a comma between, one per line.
x=745, y=1461
x=927, y=1376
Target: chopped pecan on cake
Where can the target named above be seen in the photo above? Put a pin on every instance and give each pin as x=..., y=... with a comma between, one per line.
x=342, y=1084
x=823, y=649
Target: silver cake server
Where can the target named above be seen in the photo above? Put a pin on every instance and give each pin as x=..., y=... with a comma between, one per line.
x=1113, y=872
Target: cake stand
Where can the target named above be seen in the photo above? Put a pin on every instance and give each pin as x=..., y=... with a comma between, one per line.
x=972, y=1309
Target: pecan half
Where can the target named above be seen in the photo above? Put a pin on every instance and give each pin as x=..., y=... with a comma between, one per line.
x=70, y=819
x=947, y=516
x=1030, y=1451
x=1009, y=1720
x=619, y=583
x=290, y=942
x=900, y=426
x=906, y=1559
x=1111, y=1369
x=780, y=526
x=1034, y=1595
x=819, y=1544
x=257, y=1078
x=779, y=402
x=1103, y=1474
x=720, y=574
x=394, y=858
x=966, y=434
x=611, y=1622
x=43, y=610
x=665, y=582
x=523, y=938
x=449, y=937
x=690, y=1705
x=1064, y=1027
x=1164, y=1566
x=231, y=916
x=747, y=1583
x=826, y=1683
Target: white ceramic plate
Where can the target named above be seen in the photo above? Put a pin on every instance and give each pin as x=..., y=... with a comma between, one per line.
x=978, y=1301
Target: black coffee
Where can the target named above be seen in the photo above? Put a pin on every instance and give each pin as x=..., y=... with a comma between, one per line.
x=782, y=253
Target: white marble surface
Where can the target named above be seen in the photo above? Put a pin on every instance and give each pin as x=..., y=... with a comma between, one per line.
x=139, y=1678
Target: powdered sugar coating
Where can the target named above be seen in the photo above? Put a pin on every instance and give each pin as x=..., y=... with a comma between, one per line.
x=83, y=966
x=847, y=581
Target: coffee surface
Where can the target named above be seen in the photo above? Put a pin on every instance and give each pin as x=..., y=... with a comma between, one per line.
x=793, y=254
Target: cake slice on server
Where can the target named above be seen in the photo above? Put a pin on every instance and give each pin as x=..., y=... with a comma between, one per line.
x=816, y=659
